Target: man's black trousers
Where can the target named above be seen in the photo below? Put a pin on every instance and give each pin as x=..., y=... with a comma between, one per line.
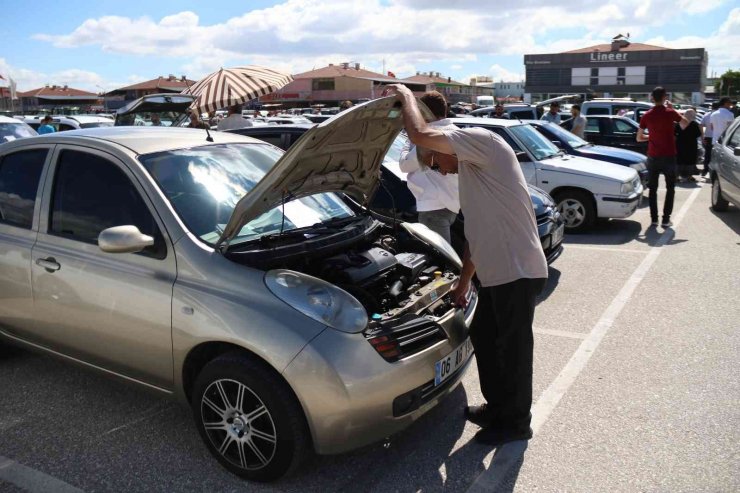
x=656, y=166
x=501, y=334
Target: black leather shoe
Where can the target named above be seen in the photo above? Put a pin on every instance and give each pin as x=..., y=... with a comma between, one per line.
x=478, y=415
x=498, y=436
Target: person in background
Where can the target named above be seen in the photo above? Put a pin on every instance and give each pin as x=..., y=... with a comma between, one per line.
x=498, y=112
x=345, y=105
x=721, y=118
x=234, y=119
x=46, y=127
x=436, y=195
x=156, y=121
x=659, y=121
x=195, y=122
x=687, y=145
x=579, y=121
x=553, y=116
x=706, y=125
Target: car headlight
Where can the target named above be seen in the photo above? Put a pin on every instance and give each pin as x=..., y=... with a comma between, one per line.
x=434, y=240
x=318, y=299
x=628, y=187
x=638, y=166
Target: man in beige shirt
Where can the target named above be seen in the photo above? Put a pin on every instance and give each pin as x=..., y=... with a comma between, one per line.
x=504, y=250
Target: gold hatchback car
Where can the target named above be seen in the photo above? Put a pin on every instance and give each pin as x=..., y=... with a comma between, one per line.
x=251, y=284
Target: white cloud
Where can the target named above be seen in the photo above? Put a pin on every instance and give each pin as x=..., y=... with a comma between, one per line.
x=501, y=74
x=79, y=79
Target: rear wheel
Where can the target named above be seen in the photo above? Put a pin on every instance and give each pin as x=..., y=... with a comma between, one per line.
x=577, y=209
x=719, y=204
x=249, y=418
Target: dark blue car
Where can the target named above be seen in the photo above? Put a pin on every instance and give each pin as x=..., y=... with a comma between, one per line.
x=572, y=144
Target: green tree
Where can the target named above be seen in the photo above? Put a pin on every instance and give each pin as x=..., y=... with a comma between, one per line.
x=728, y=83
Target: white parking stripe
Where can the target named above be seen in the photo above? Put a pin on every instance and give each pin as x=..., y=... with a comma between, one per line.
x=495, y=475
x=32, y=480
x=561, y=333
x=578, y=246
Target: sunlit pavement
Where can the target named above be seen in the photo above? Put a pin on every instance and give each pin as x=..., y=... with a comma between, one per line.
x=636, y=358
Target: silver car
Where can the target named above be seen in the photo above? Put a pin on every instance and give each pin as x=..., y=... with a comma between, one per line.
x=234, y=277
x=725, y=168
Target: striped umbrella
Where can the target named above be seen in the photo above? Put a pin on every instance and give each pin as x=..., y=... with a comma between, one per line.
x=235, y=86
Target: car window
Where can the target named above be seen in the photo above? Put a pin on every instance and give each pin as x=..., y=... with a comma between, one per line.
x=63, y=126
x=734, y=140
x=597, y=111
x=623, y=127
x=92, y=194
x=523, y=115
x=12, y=131
x=19, y=182
x=592, y=125
x=535, y=143
x=274, y=139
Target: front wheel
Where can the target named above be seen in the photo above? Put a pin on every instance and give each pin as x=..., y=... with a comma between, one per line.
x=577, y=209
x=719, y=204
x=249, y=418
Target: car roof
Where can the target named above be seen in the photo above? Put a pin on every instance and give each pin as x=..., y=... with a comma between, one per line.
x=298, y=127
x=491, y=122
x=144, y=140
x=9, y=119
x=89, y=118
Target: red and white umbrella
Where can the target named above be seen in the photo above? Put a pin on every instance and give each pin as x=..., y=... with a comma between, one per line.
x=236, y=85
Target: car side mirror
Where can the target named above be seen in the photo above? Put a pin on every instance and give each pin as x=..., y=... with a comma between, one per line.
x=557, y=143
x=737, y=151
x=123, y=239
x=522, y=157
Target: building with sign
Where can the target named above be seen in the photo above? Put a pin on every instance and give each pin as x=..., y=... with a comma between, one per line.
x=619, y=69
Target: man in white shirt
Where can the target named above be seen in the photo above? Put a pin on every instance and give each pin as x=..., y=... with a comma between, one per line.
x=553, y=115
x=234, y=119
x=579, y=121
x=706, y=124
x=503, y=249
x=721, y=118
x=437, y=200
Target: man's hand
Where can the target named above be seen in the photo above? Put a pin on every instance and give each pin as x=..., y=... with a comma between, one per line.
x=398, y=90
x=459, y=294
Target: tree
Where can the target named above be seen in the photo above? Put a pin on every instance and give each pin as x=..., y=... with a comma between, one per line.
x=728, y=84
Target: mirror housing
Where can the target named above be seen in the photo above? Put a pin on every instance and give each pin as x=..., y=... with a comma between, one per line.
x=737, y=151
x=522, y=157
x=123, y=239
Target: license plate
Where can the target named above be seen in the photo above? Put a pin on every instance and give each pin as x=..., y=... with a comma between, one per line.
x=557, y=235
x=450, y=363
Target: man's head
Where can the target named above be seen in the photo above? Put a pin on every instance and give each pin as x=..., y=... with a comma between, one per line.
x=725, y=102
x=575, y=110
x=658, y=95
x=444, y=163
x=155, y=119
x=499, y=109
x=193, y=116
x=436, y=104
x=235, y=109
x=47, y=120
x=554, y=107
x=346, y=105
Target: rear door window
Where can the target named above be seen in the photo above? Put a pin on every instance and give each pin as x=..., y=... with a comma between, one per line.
x=597, y=111
x=623, y=127
x=20, y=173
x=592, y=125
x=734, y=140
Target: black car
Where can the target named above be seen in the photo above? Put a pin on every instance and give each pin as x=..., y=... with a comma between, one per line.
x=170, y=108
x=611, y=130
x=576, y=146
x=394, y=199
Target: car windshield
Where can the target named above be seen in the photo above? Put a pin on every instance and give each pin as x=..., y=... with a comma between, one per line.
x=561, y=134
x=96, y=124
x=393, y=156
x=12, y=131
x=204, y=184
x=535, y=142
x=151, y=118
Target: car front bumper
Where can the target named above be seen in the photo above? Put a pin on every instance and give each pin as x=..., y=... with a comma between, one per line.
x=619, y=206
x=352, y=397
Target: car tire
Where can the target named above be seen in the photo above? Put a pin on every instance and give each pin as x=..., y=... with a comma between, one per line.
x=262, y=438
x=577, y=209
x=719, y=204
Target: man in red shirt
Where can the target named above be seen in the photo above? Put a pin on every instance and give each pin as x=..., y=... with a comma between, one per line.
x=660, y=122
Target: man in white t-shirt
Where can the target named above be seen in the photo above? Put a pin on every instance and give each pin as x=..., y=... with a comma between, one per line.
x=234, y=120
x=437, y=200
x=504, y=251
x=721, y=118
x=579, y=121
x=706, y=124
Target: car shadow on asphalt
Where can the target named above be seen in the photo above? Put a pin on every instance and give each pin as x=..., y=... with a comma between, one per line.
x=607, y=232
x=553, y=278
x=731, y=217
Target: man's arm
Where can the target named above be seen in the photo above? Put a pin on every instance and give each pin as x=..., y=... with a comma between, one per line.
x=463, y=284
x=641, y=137
x=420, y=134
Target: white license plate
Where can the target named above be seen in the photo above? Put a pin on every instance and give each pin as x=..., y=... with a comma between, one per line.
x=447, y=365
x=557, y=235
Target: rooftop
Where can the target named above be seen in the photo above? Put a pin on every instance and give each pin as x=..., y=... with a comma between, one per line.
x=344, y=70
x=58, y=92
x=629, y=47
x=171, y=83
x=433, y=78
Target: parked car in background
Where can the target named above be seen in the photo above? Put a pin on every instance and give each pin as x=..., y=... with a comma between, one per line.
x=171, y=109
x=725, y=168
x=614, y=106
x=524, y=111
x=394, y=200
x=12, y=129
x=71, y=122
x=231, y=275
x=612, y=131
x=576, y=146
x=584, y=189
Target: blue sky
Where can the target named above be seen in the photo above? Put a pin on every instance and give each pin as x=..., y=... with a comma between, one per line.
x=105, y=44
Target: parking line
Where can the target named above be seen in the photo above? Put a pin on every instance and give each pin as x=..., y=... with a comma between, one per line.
x=579, y=246
x=494, y=477
x=561, y=333
x=32, y=480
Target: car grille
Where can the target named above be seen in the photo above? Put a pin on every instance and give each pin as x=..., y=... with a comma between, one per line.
x=411, y=336
x=543, y=218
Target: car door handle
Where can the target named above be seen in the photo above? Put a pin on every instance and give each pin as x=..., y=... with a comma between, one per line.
x=50, y=264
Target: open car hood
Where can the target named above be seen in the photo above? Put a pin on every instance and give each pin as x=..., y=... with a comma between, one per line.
x=157, y=103
x=342, y=154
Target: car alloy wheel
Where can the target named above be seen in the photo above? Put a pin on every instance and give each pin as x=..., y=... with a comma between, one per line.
x=238, y=424
x=573, y=212
x=577, y=210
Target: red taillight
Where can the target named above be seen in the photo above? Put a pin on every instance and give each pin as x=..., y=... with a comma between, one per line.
x=388, y=348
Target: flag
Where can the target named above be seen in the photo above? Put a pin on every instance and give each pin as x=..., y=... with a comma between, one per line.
x=391, y=74
x=13, y=94
x=1, y=77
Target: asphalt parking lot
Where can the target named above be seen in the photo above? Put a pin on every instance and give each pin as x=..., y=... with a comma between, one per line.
x=636, y=357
